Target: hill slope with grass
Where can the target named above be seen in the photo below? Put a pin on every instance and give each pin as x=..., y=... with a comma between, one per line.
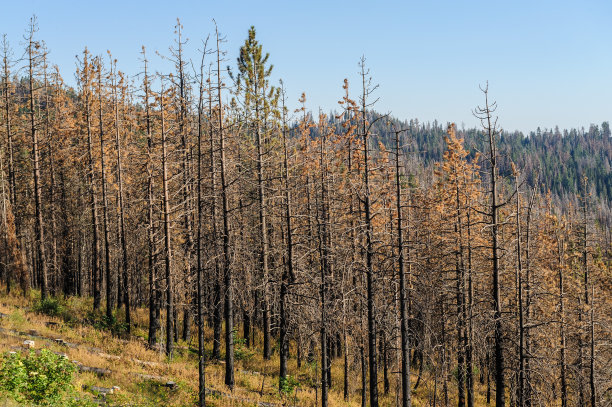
x=87, y=360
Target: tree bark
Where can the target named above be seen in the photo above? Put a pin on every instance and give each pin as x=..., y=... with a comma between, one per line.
x=122, y=236
x=288, y=272
x=519, y=300
x=490, y=127
x=227, y=271
x=186, y=189
x=109, y=299
x=372, y=356
x=562, y=338
x=403, y=294
x=167, y=246
x=8, y=123
x=154, y=323
x=95, y=260
x=323, y=266
x=200, y=309
x=40, y=231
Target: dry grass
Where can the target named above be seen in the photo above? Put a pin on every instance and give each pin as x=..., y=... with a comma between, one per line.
x=256, y=378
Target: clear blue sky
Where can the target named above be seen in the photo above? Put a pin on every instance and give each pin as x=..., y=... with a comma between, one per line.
x=547, y=62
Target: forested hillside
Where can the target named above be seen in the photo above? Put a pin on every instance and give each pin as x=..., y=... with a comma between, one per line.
x=373, y=261
x=556, y=160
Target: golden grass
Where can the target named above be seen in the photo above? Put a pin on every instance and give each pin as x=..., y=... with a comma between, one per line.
x=256, y=378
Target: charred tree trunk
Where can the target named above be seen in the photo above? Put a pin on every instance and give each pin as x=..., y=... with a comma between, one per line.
x=372, y=355
x=8, y=123
x=263, y=231
x=562, y=361
x=167, y=247
x=288, y=273
x=217, y=302
x=403, y=294
x=470, y=330
x=527, y=307
x=593, y=389
x=200, y=308
x=53, y=271
x=122, y=234
x=186, y=189
x=364, y=375
x=490, y=126
x=154, y=323
x=519, y=300
x=95, y=260
x=323, y=259
x=109, y=299
x=39, y=225
x=13, y=264
x=227, y=271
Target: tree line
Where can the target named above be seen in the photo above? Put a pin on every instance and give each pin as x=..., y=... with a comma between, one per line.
x=198, y=195
x=556, y=159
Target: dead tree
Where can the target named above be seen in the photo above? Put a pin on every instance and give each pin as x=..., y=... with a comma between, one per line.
x=199, y=302
x=100, y=89
x=562, y=337
x=122, y=235
x=154, y=303
x=323, y=250
x=489, y=123
x=401, y=269
x=367, y=91
x=288, y=275
x=181, y=77
x=519, y=293
x=217, y=294
x=86, y=94
x=167, y=229
x=227, y=271
x=34, y=55
x=6, y=66
x=54, y=273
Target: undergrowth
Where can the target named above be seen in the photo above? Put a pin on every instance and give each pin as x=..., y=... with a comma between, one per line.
x=39, y=379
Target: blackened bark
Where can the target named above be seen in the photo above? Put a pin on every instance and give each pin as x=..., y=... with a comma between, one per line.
x=227, y=272
x=39, y=225
x=109, y=300
x=403, y=294
x=167, y=229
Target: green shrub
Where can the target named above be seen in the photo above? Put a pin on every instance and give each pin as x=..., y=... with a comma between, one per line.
x=241, y=352
x=42, y=380
x=103, y=322
x=288, y=384
x=49, y=306
x=13, y=376
x=55, y=307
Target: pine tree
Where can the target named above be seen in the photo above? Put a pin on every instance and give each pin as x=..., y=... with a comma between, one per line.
x=252, y=80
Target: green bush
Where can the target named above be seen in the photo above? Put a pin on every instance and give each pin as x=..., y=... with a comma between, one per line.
x=241, y=352
x=104, y=323
x=49, y=306
x=41, y=380
x=288, y=384
x=56, y=307
x=13, y=376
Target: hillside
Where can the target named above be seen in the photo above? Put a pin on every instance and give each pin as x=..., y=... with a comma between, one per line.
x=118, y=370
